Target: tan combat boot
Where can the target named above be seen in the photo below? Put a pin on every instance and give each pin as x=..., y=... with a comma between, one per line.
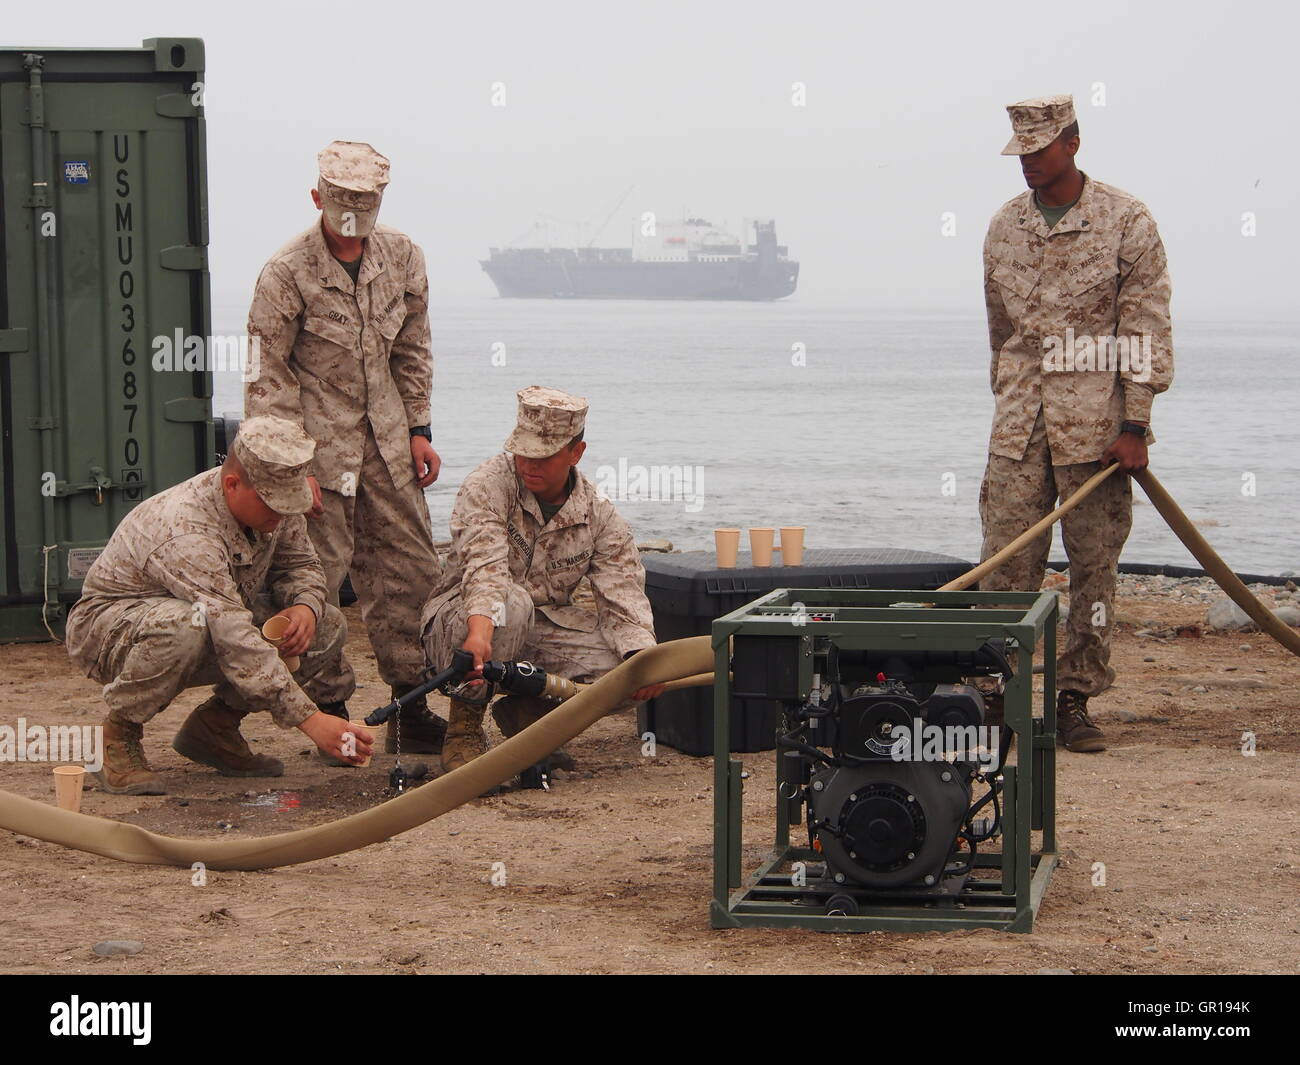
x=1075, y=730
x=126, y=771
x=514, y=713
x=465, y=740
x=211, y=736
x=421, y=730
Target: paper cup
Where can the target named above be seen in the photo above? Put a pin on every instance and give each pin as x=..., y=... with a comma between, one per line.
x=727, y=542
x=273, y=633
x=68, y=782
x=792, y=544
x=760, y=545
x=376, y=733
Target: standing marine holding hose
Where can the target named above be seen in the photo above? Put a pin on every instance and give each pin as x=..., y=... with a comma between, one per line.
x=341, y=315
x=526, y=528
x=1077, y=292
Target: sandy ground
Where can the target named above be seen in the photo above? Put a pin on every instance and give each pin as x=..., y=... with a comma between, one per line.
x=610, y=871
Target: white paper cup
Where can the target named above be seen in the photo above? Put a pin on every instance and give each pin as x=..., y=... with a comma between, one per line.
x=792, y=544
x=375, y=732
x=273, y=633
x=68, y=782
x=727, y=544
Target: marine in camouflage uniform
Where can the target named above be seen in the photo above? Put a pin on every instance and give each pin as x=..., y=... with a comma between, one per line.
x=1077, y=292
x=341, y=317
x=527, y=528
x=176, y=600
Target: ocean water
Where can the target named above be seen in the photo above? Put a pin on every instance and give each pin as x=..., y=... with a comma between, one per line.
x=869, y=428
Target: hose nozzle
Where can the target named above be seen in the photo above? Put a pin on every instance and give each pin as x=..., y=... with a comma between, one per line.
x=524, y=678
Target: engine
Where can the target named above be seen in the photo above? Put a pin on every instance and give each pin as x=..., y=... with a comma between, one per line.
x=896, y=762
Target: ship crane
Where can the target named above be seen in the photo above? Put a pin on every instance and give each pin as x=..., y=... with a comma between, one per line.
x=542, y=225
x=613, y=211
x=544, y=221
x=524, y=235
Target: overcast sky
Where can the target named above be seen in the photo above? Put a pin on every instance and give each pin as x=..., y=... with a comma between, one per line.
x=692, y=103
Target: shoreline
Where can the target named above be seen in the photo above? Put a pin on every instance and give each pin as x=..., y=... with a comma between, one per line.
x=1168, y=571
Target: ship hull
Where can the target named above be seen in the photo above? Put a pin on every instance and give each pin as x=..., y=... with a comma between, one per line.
x=557, y=275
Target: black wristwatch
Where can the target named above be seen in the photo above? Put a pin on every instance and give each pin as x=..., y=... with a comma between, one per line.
x=424, y=431
x=1136, y=428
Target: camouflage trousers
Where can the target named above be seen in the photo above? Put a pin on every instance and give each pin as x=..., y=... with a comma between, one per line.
x=383, y=536
x=526, y=634
x=148, y=651
x=1013, y=496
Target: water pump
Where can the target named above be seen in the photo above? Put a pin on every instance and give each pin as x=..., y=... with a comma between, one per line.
x=890, y=751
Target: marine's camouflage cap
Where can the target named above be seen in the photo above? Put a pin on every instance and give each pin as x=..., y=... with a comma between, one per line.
x=548, y=419
x=1036, y=123
x=274, y=453
x=352, y=180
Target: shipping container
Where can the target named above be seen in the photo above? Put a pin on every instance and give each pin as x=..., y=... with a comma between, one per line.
x=105, y=314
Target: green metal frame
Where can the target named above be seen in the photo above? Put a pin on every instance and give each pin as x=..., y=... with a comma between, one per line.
x=864, y=619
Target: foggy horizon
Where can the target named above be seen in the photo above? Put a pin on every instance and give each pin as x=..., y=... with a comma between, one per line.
x=901, y=128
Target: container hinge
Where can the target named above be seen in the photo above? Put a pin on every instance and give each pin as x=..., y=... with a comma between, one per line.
x=176, y=105
x=188, y=409
x=40, y=196
x=184, y=257
x=176, y=54
x=45, y=422
x=34, y=64
x=13, y=340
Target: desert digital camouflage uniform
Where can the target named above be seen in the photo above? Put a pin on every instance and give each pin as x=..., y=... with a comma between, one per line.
x=177, y=598
x=511, y=565
x=1100, y=272
x=351, y=364
x=530, y=567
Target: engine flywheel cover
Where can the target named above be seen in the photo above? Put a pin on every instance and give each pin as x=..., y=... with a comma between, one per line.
x=889, y=824
x=882, y=826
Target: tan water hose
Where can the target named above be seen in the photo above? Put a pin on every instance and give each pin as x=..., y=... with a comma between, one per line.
x=1027, y=537
x=678, y=664
x=130, y=843
x=1213, y=565
x=1183, y=528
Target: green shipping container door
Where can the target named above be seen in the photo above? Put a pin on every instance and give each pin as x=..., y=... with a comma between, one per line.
x=103, y=222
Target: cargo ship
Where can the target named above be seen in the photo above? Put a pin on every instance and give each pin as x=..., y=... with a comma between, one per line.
x=687, y=260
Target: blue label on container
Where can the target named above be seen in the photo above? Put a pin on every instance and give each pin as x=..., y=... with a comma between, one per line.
x=76, y=172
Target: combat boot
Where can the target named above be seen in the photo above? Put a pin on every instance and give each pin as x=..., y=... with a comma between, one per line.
x=465, y=740
x=126, y=771
x=210, y=736
x=422, y=731
x=514, y=713
x=1074, y=728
